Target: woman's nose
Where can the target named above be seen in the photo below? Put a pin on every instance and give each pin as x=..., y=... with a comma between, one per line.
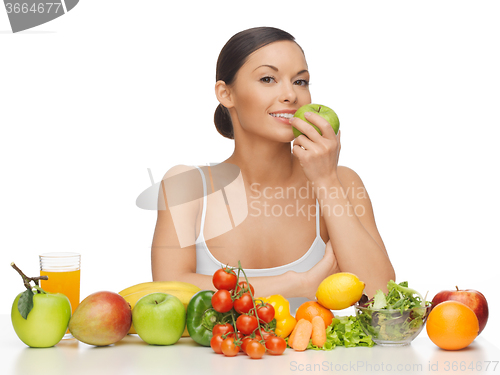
x=288, y=94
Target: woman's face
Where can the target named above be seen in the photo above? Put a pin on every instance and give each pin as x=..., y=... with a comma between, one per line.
x=274, y=79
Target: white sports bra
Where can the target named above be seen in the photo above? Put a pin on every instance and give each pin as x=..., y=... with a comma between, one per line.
x=207, y=264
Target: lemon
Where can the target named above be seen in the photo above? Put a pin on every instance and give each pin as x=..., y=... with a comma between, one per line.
x=340, y=290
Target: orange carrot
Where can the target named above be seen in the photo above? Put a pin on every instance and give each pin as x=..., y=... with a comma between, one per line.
x=318, y=331
x=291, y=337
x=303, y=331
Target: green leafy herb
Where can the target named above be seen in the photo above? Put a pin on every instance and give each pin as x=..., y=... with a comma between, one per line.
x=25, y=303
x=399, y=296
x=395, y=316
x=272, y=324
x=344, y=331
x=379, y=301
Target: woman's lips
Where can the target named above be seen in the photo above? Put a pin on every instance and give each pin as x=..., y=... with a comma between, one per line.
x=283, y=120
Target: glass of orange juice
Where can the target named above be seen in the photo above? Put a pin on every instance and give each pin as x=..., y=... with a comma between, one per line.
x=63, y=271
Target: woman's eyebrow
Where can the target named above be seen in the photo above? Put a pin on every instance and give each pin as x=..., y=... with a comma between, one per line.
x=276, y=69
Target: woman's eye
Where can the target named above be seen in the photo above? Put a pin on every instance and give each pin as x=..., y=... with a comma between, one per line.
x=300, y=82
x=303, y=82
x=266, y=79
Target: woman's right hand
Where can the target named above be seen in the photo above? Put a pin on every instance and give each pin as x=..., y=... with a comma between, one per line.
x=325, y=267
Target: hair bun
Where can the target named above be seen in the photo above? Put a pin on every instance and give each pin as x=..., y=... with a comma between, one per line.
x=223, y=123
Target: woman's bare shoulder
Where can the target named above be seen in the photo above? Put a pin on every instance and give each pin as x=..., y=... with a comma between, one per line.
x=348, y=175
x=350, y=180
x=180, y=169
x=182, y=184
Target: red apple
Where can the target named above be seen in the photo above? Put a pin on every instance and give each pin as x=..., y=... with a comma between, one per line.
x=470, y=297
x=102, y=318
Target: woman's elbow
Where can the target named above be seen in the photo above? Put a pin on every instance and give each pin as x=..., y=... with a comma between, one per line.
x=379, y=281
x=391, y=274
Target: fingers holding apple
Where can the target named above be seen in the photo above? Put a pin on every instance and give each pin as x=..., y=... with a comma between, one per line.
x=316, y=144
x=320, y=117
x=307, y=129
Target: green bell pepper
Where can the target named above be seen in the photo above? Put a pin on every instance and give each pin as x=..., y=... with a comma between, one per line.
x=201, y=317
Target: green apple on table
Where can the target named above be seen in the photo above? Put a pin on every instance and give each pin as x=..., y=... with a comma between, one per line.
x=39, y=318
x=327, y=113
x=159, y=318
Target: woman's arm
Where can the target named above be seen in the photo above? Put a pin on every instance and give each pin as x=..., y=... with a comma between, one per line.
x=348, y=213
x=170, y=261
x=349, y=217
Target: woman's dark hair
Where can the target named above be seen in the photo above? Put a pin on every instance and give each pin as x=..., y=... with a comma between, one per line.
x=232, y=56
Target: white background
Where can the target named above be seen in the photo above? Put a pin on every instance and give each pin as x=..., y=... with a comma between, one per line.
x=91, y=100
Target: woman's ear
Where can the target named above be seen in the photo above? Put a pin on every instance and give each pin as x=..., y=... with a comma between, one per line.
x=223, y=93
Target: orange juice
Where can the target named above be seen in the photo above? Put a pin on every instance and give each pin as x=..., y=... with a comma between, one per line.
x=65, y=282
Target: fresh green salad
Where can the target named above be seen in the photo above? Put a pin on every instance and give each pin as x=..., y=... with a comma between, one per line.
x=395, y=316
x=344, y=331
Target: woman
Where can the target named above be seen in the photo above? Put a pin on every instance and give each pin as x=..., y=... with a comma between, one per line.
x=261, y=80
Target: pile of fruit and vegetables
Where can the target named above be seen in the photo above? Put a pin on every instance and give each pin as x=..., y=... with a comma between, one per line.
x=233, y=320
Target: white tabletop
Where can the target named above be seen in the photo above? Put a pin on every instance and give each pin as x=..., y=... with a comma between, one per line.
x=134, y=356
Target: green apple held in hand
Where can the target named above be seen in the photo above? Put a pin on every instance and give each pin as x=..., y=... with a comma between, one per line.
x=40, y=319
x=159, y=318
x=327, y=113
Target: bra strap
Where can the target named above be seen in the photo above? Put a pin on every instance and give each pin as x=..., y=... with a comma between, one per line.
x=317, y=219
x=204, y=202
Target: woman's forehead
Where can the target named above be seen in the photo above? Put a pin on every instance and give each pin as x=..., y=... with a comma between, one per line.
x=277, y=54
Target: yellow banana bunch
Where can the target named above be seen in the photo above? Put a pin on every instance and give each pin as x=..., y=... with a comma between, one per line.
x=183, y=291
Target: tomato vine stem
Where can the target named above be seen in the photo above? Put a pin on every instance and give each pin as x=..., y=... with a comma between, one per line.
x=253, y=300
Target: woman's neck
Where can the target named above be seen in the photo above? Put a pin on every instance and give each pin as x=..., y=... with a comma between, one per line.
x=266, y=163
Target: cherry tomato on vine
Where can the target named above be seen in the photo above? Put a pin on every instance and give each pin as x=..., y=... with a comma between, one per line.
x=255, y=349
x=220, y=329
x=265, y=312
x=242, y=285
x=240, y=335
x=224, y=278
x=275, y=345
x=244, y=343
x=244, y=303
x=246, y=324
x=247, y=339
x=229, y=348
x=221, y=301
x=215, y=343
x=266, y=333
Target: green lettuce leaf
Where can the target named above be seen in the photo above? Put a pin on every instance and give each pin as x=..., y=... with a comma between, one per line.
x=379, y=301
x=398, y=325
x=344, y=331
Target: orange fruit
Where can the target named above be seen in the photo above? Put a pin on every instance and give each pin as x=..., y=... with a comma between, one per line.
x=452, y=325
x=308, y=310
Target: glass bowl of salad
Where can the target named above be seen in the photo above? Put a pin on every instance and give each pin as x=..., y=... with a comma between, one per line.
x=395, y=318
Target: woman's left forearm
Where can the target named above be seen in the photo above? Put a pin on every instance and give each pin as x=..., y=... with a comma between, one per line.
x=355, y=249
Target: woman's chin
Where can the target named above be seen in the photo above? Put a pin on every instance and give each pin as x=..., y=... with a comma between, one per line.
x=284, y=135
x=278, y=135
